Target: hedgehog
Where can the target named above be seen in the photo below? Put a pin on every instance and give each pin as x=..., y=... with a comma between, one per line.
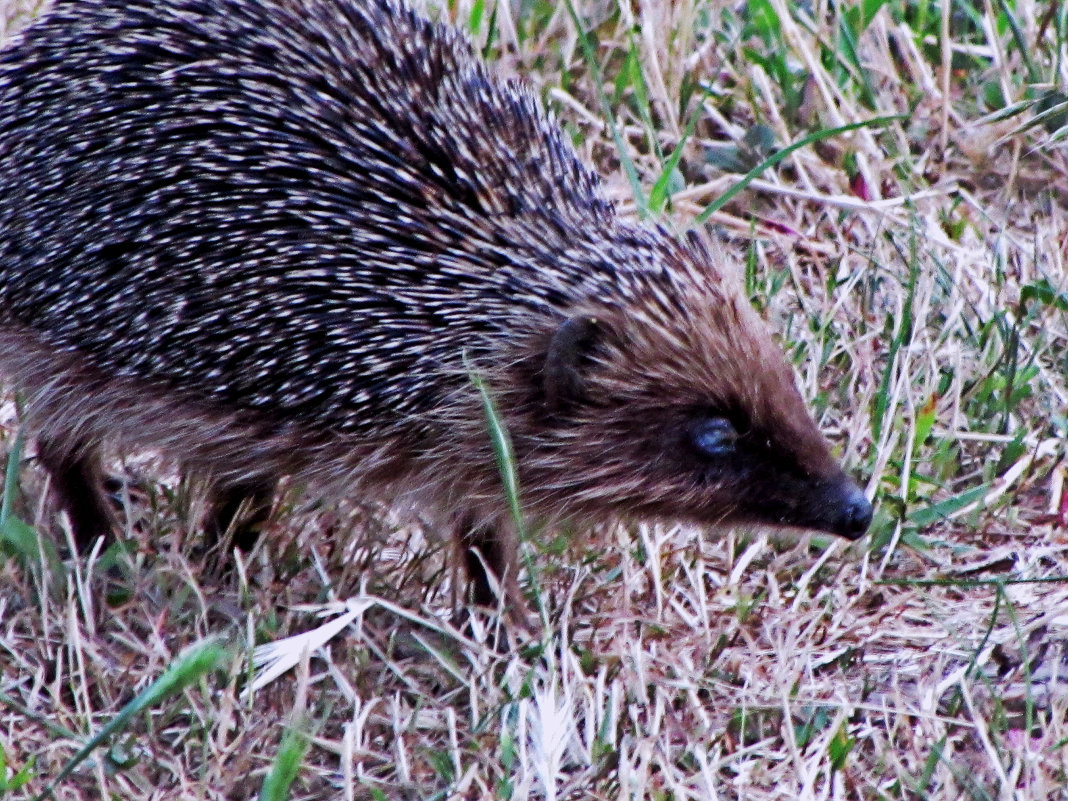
x=278, y=238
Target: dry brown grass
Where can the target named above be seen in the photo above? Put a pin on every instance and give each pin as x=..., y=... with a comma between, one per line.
x=916, y=271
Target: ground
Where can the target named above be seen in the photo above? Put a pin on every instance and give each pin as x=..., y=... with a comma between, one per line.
x=914, y=269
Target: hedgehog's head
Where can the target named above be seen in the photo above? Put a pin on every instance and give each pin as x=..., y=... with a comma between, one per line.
x=670, y=400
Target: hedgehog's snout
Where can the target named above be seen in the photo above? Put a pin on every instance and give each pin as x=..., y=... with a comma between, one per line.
x=848, y=509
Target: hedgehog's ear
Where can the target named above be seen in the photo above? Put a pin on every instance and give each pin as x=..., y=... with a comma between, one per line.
x=569, y=348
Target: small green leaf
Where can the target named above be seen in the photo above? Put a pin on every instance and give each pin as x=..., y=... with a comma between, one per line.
x=839, y=747
x=1044, y=292
x=925, y=419
x=474, y=19
x=286, y=765
x=764, y=20
x=442, y=764
x=937, y=512
x=22, y=778
x=724, y=156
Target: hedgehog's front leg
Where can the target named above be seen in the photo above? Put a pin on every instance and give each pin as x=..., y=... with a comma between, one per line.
x=240, y=511
x=78, y=483
x=490, y=557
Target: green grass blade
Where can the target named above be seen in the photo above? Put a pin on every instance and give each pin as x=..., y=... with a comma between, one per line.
x=502, y=451
x=778, y=156
x=11, y=477
x=659, y=194
x=198, y=661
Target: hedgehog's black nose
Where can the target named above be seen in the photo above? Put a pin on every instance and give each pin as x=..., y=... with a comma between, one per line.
x=854, y=513
x=835, y=505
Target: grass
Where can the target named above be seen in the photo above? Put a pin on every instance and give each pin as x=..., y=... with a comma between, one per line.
x=911, y=253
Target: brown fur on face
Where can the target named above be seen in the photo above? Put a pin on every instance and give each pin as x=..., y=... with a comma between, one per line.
x=639, y=378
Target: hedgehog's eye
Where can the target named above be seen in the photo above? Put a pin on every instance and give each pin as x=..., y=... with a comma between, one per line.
x=713, y=437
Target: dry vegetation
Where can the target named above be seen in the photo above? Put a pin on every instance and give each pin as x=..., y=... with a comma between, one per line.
x=915, y=268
